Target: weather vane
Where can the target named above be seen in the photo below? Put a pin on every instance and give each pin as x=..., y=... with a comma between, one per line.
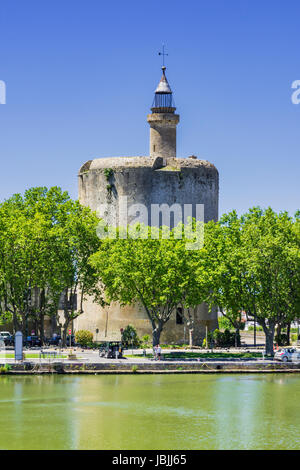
x=163, y=53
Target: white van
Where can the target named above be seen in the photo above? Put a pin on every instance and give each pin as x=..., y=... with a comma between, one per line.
x=5, y=334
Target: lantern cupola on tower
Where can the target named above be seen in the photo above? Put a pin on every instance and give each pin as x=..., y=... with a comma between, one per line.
x=163, y=98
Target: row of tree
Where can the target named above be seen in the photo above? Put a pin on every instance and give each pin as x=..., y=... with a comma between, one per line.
x=249, y=263
x=50, y=255
x=46, y=240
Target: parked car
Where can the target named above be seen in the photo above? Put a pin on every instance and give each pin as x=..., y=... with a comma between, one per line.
x=9, y=340
x=111, y=349
x=32, y=341
x=285, y=354
x=5, y=334
x=295, y=357
x=54, y=340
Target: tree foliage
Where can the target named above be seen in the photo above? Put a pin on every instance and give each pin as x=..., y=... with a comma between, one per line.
x=152, y=270
x=50, y=253
x=253, y=264
x=46, y=240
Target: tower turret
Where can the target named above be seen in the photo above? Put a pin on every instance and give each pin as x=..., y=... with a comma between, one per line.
x=163, y=121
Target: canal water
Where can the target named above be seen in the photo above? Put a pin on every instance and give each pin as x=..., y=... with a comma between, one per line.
x=252, y=411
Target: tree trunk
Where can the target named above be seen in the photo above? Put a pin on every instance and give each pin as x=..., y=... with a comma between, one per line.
x=269, y=333
x=54, y=327
x=41, y=316
x=36, y=327
x=65, y=328
x=278, y=330
x=157, y=329
x=190, y=324
x=15, y=323
x=191, y=331
x=42, y=327
x=24, y=326
x=288, y=333
x=67, y=319
x=236, y=342
x=206, y=336
x=64, y=337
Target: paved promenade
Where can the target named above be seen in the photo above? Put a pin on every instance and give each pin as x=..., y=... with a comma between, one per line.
x=89, y=362
x=134, y=356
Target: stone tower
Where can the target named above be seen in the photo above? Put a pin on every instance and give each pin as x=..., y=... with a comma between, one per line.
x=155, y=180
x=163, y=121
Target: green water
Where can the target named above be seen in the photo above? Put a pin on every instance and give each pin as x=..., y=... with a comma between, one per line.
x=150, y=412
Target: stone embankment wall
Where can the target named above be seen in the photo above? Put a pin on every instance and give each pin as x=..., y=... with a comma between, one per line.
x=155, y=367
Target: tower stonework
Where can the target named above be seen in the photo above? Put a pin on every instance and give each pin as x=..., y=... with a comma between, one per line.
x=160, y=178
x=163, y=134
x=163, y=121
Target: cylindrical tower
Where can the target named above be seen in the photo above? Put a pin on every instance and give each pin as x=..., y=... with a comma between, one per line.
x=120, y=186
x=163, y=121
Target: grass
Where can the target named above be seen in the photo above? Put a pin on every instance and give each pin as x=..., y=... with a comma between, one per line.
x=31, y=356
x=213, y=355
x=205, y=355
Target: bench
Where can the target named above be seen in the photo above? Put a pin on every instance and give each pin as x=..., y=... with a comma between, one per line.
x=48, y=354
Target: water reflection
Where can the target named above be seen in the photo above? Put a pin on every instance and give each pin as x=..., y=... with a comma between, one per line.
x=150, y=412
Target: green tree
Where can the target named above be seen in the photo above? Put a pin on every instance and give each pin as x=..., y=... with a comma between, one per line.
x=45, y=243
x=271, y=256
x=223, y=242
x=253, y=265
x=153, y=271
x=23, y=246
x=196, y=289
x=75, y=240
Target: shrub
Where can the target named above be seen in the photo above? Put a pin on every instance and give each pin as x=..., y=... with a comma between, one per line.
x=5, y=368
x=130, y=337
x=281, y=340
x=225, y=339
x=134, y=369
x=294, y=337
x=145, y=341
x=83, y=337
x=108, y=173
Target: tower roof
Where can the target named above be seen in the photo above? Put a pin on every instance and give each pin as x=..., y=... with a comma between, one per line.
x=163, y=98
x=163, y=86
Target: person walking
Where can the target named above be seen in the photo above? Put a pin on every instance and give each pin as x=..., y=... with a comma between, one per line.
x=155, y=352
x=158, y=352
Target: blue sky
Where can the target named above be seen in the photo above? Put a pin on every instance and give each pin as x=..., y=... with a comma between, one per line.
x=80, y=78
